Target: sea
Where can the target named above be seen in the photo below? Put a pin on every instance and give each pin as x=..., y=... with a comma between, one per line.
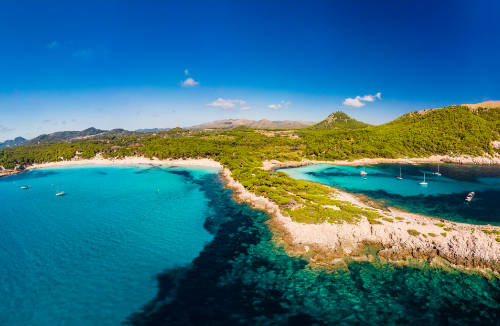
x=443, y=195
x=146, y=245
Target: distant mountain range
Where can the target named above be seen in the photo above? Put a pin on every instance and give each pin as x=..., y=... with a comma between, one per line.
x=153, y=130
x=13, y=142
x=260, y=124
x=61, y=136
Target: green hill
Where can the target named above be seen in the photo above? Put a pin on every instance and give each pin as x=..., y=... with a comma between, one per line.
x=339, y=120
x=453, y=130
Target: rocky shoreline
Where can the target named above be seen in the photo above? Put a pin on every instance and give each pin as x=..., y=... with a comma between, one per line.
x=400, y=237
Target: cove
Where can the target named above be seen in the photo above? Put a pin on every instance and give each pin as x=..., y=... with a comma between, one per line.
x=91, y=257
x=443, y=196
x=238, y=276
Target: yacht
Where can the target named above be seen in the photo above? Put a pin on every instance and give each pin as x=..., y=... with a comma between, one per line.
x=60, y=193
x=423, y=183
x=470, y=195
x=437, y=172
x=400, y=177
x=363, y=172
x=24, y=187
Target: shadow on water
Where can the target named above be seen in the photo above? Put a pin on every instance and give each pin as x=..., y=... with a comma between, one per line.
x=170, y=170
x=32, y=174
x=184, y=173
x=242, y=278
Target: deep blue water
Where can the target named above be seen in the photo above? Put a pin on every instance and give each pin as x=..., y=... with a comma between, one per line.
x=102, y=266
x=443, y=196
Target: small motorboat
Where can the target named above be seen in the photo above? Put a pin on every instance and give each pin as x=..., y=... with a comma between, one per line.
x=423, y=183
x=400, y=177
x=60, y=193
x=363, y=173
x=24, y=187
x=470, y=195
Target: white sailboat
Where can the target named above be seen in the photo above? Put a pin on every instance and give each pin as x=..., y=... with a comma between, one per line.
x=437, y=173
x=423, y=183
x=400, y=177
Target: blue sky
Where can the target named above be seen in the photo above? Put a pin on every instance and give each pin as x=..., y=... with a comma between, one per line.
x=142, y=64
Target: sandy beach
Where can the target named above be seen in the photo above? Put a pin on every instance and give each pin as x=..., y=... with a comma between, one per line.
x=135, y=160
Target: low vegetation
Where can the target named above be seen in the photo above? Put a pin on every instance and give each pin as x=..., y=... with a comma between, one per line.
x=413, y=232
x=491, y=231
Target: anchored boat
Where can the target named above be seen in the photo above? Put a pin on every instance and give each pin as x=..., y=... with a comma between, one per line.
x=423, y=183
x=470, y=195
x=400, y=177
x=437, y=172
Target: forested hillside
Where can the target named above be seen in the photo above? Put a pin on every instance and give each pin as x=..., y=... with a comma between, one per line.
x=339, y=120
x=454, y=130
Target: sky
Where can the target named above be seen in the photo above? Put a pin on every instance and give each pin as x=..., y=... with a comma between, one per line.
x=69, y=65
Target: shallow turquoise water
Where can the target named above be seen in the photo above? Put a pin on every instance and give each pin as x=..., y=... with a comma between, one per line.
x=443, y=196
x=91, y=257
x=116, y=243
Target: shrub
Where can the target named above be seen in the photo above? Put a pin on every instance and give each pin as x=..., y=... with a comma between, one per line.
x=413, y=232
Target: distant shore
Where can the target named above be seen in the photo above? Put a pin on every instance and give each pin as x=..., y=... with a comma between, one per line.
x=487, y=160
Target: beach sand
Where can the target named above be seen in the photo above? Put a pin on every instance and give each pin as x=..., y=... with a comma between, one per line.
x=132, y=161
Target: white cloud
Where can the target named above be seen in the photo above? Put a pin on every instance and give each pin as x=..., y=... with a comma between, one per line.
x=282, y=105
x=189, y=82
x=227, y=104
x=186, y=72
x=52, y=45
x=245, y=108
x=358, y=101
x=354, y=102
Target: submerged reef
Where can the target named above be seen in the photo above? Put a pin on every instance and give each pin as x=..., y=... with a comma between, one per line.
x=243, y=278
